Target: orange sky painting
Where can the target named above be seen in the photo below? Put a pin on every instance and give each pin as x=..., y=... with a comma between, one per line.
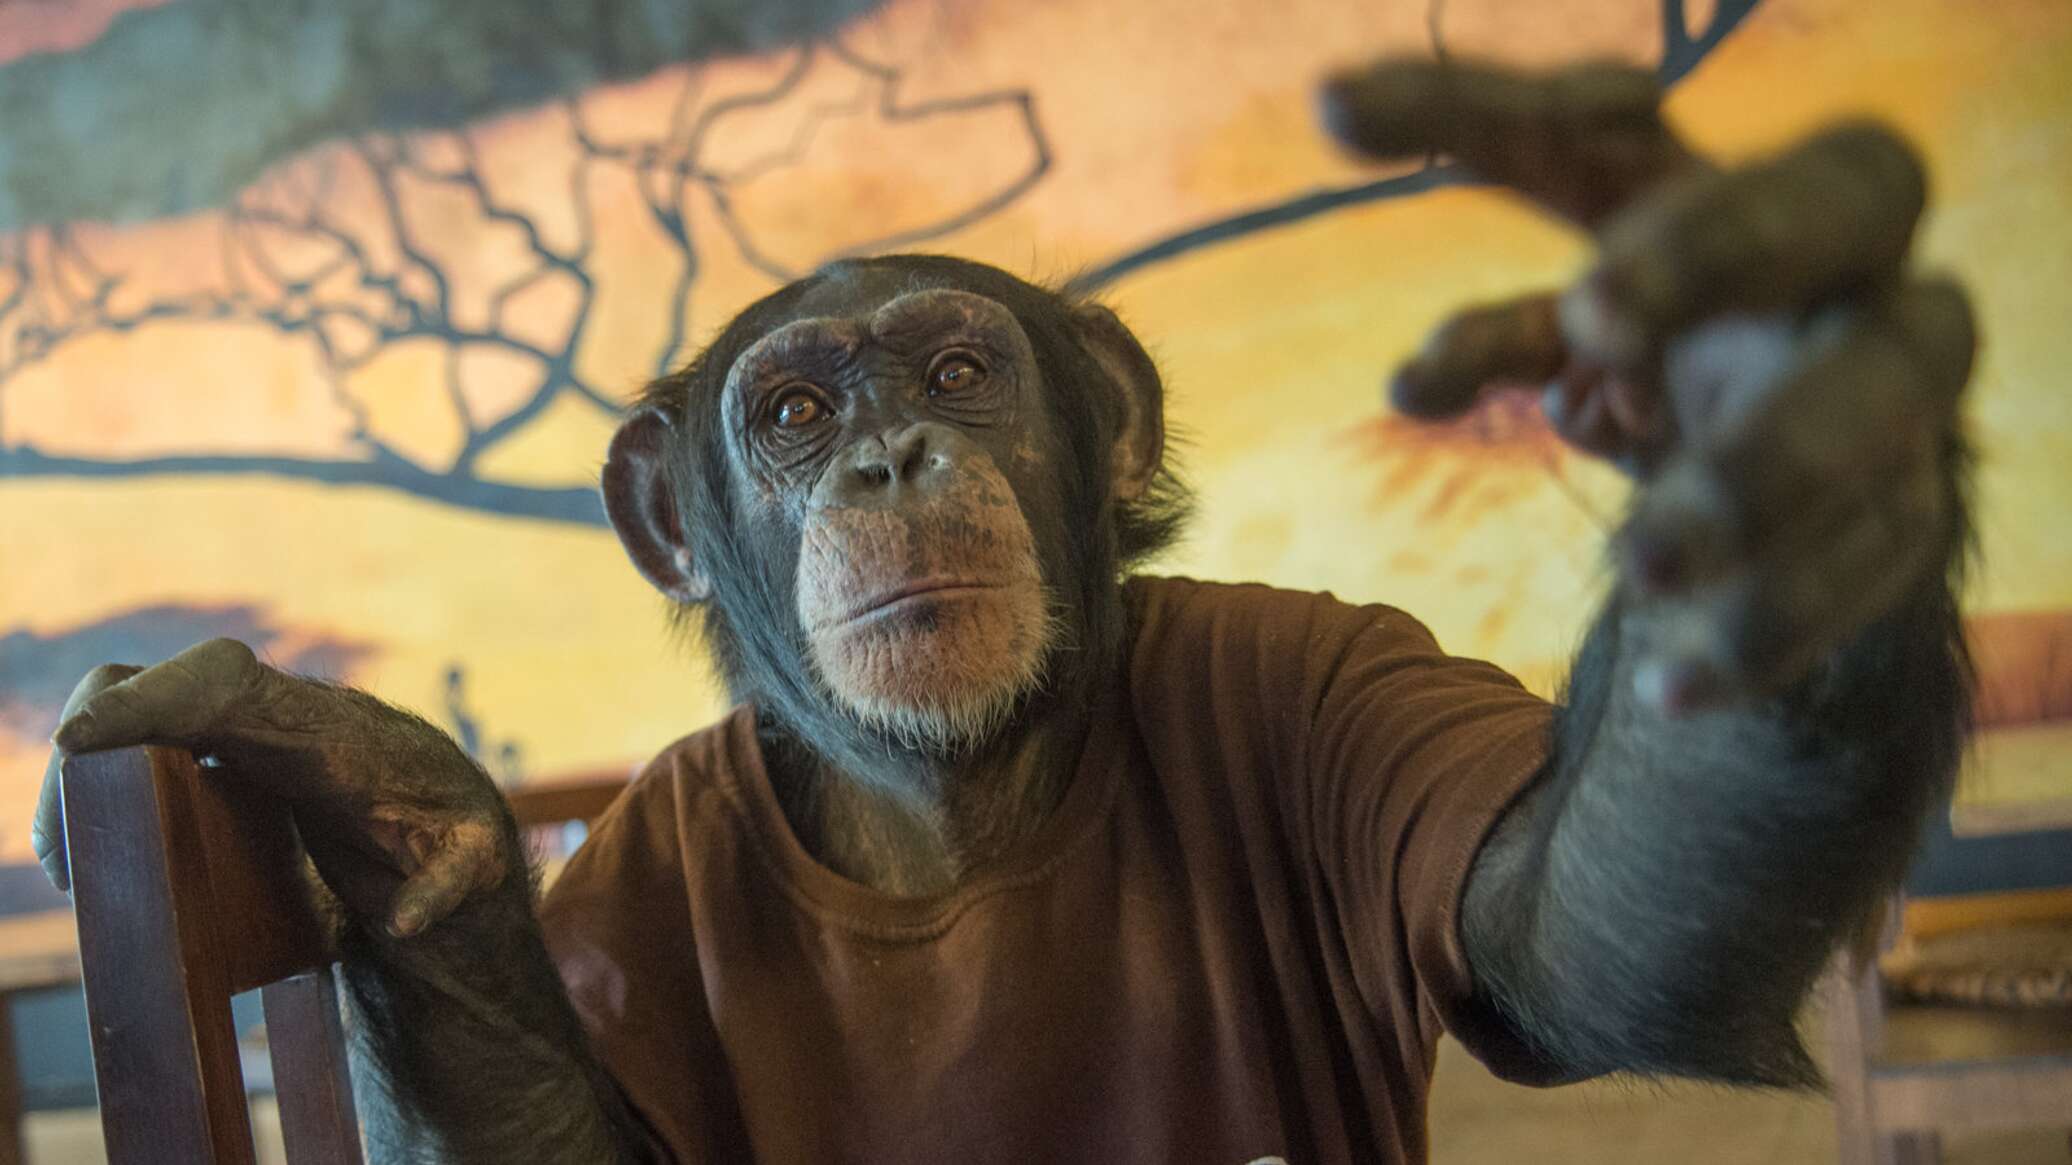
x=556, y=257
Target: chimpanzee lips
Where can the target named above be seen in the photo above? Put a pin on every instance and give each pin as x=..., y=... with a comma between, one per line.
x=922, y=588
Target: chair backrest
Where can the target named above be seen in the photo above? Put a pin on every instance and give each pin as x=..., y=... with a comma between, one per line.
x=186, y=896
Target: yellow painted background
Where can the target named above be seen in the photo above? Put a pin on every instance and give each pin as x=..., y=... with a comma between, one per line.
x=1158, y=115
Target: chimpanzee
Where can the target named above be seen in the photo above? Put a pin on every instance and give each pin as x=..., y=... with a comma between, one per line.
x=1010, y=853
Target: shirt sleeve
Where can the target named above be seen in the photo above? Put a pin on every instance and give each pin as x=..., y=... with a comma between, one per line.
x=1411, y=757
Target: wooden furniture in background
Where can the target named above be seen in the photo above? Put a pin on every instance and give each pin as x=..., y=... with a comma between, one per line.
x=37, y=952
x=1902, y=1073
x=564, y=799
x=2011, y=817
x=556, y=813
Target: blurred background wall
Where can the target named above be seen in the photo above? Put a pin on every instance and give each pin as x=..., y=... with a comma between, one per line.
x=314, y=316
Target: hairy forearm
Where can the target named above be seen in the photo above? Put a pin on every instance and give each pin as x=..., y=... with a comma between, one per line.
x=465, y=1047
x=1661, y=902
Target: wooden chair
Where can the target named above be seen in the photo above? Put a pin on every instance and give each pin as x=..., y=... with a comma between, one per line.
x=185, y=897
x=1903, y=1073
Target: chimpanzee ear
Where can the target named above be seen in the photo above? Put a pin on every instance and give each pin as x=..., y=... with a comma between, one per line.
x=643, y=510
x=1140, y=439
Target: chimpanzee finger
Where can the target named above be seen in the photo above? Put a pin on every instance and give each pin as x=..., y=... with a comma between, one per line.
x=175, y=702
x=1934, y=320
x=218, y=696
x=1871, y=393
x=1576, y=406
x=47, y=829
x=1583, y=142
x=1517, y=341
x=466, y=857
x=1609, y=416
x=1765, y=627
x=1834, y=215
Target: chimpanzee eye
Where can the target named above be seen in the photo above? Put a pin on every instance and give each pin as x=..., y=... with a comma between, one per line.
x=953, y=373
x=798, y=408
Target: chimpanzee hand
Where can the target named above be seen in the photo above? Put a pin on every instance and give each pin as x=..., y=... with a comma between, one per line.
x=401, y=824
x=1747, y=346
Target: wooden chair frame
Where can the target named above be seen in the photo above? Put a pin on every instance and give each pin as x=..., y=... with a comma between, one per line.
x=186, y=896
x=1901, y=1076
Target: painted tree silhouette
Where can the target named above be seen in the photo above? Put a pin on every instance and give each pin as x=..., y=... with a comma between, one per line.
x=351, y=287
x=1682, y=50
x=298, y=258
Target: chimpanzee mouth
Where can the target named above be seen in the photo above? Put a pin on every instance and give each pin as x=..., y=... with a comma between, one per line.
x=933, y=588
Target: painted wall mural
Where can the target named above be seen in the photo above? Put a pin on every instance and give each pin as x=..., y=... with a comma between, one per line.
x=313, y=323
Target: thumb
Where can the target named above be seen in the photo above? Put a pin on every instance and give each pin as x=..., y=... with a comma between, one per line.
x=467, y=859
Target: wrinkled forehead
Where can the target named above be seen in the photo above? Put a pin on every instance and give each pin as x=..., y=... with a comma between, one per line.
x=837, y=319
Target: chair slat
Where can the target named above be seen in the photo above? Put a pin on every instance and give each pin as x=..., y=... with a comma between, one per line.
x=157, y=987
x=256, y=879
x=311, y=1077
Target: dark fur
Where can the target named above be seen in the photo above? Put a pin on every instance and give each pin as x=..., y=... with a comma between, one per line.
x=466, y=1047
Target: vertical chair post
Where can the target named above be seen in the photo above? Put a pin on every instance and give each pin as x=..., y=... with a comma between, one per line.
x=311, y=1077
x=157, y=989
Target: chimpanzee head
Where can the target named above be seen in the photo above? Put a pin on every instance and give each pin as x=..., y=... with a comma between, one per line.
x=901, y=493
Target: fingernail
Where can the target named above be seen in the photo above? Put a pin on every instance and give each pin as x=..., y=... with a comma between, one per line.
x=1333, y=101
x=76, y=731
x=408, y=921
x=1597, y=321
x=1409, y=392
x=1338, y=110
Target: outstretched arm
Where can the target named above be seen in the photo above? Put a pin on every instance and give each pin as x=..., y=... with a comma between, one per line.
x=1776, y=693
x=465, y=1046
x=1663, y=898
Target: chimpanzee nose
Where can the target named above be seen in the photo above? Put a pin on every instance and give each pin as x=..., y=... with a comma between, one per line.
x=880, y=469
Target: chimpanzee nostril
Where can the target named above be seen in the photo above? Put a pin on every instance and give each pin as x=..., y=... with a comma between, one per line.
x=910, y=451
x=880, y=467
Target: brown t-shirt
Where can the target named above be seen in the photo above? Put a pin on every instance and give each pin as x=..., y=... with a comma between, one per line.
x=1235, y=940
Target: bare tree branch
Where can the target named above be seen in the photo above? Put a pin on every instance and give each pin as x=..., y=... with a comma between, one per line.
x=349, y=308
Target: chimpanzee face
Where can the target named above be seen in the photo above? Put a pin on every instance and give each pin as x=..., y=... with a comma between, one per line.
x=898, y=440
x=899, y=490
